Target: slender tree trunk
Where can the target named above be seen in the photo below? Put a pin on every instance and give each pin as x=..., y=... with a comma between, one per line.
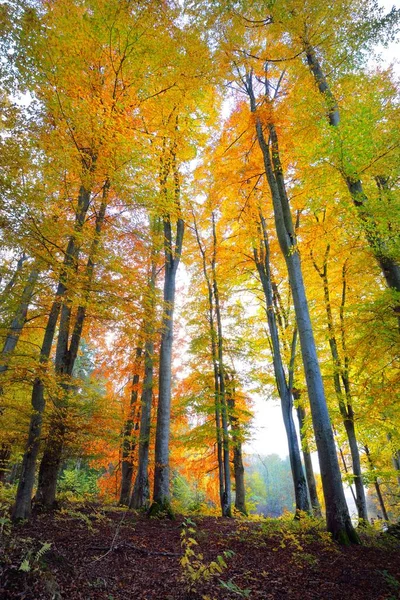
x=346, y=409
x=312, y=487
x=22, y=507
x=141, y=490
x=162, y=494
x=214, y=358
x=5, y=454
x=389, y=267
x=396, y=464
x=128, y=444
x=395, y=458
x=377, y=486
x=222, y=404
x=66, y=353
x=18, y=321
x=262, y=260
x=220, y=462
x=10, y=343
x=9, y=286
x=337, y=514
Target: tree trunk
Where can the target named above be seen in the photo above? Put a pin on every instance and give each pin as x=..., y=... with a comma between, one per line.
x=128, y=444
x=346, y=409
x=10, y=343
x=222, y=401
x=377, y=486
x=395, y=458
x=214, y=358
x=312, y=487
x=238, y=468
x=66, y=353
x=262, y=260
x=337, y=514
x=5, y=454
x=9, y=286
x=18, y=321
x=22, y=507
x=162, y=494
x=389, y=267
x=141, y=490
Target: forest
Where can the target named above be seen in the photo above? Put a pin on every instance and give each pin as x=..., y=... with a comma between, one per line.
x=199, y=212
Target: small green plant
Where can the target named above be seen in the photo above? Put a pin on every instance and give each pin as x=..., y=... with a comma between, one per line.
x=391, y=582
x=195, y=570
x=66, y=513
x=32, y=561
x=235, y=589
x=7, y=495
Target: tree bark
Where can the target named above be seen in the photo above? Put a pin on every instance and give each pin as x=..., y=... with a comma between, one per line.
x=312, y=487
x=214, y=358
x=172, y=252
x=22, y=507
x=141, y=490
x=341, y=373
x=222, y=402
x=9, y=286
x=129, y=444
x=262, y=260
x=236, y=436
x=18, y=321
x=5, y=454
x=10, y=343
x=377, y=486
x=389, y=267
x=66, y=353
x=337, y=514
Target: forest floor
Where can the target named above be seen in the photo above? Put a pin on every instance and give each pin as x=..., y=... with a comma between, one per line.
x=91, y=553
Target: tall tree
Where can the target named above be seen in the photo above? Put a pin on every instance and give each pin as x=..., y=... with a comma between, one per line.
x=337, y=515
x=172, y=256
x=262, y=261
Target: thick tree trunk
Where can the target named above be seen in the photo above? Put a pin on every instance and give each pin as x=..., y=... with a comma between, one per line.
x=140, y=497
x=238, y=472
x=337, y=514
x=238, y=467
x=66, y=353
x=162, y=494
x=141, y=491
x=389, y=267
x=312, y=487
x=128, y=444
x=22, y=506
x=262, y=261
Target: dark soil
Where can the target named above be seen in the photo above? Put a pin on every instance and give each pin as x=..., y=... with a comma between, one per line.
x=116, y=555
